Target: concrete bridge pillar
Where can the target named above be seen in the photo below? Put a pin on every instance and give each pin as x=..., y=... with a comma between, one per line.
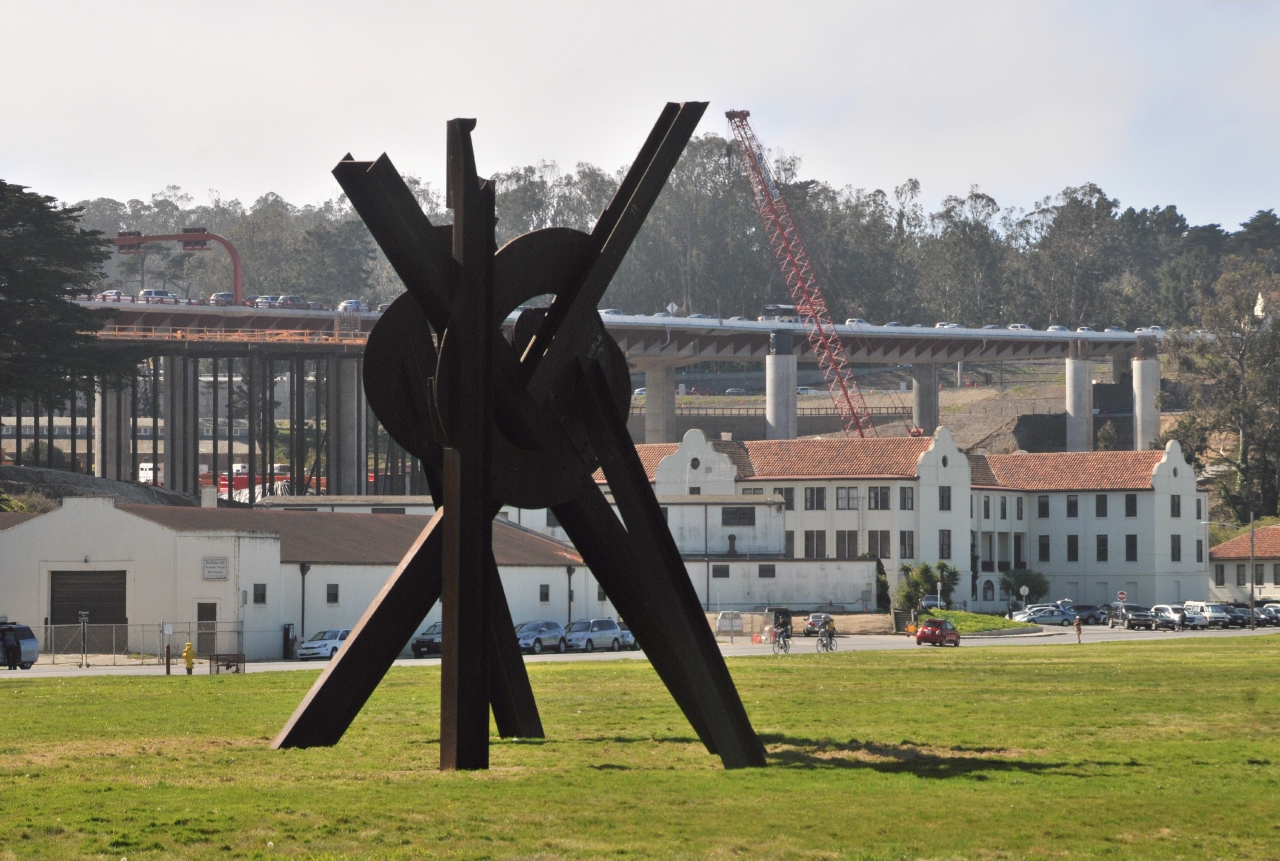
x=346, y=411
x=659, y=401
x=1146, y=386
x=780, y=387
x=924, y=396
x=112, y=435
x=1079, y=398
x=180, y=422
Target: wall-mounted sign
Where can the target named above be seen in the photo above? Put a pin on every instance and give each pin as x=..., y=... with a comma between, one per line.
x=216, y=567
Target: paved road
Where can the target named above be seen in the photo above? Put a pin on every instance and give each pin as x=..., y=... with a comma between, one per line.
x=740, y=648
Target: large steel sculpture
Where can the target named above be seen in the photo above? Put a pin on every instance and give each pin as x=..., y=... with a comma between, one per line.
x=525, y=423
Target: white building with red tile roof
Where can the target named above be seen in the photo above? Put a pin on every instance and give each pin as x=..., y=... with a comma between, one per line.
x=1229, y=564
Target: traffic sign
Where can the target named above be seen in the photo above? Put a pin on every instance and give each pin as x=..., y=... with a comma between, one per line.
x=672, y=307
x=1123, y=596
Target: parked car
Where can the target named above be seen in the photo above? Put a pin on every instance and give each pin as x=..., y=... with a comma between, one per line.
x=939, y=632
x=535, y=637
x=1052, y=616
x=1239, y=616
x=629, y=639
x=1167, y=616
x=1089, y=614
x=27, y=643
x=428, y=642
x=1272, y=614
x=591, y=634
x=354, y=305
x=1213, y=613
x=931, y=602
x=1130, y=616
x=323, y=645
x=813, y=624
x=221, y=299
x=160, y=297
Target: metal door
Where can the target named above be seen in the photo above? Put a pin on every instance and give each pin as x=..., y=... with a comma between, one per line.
x=206, y=628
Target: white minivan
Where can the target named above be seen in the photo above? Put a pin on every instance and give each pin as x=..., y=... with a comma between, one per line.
x=1213, y=613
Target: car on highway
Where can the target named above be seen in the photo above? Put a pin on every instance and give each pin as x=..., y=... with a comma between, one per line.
x=814, y=622
x=699, y=317
x=806, y=390
x=991, y=326
x=856, y=321
x=1168, y=617
x=222, y=299
x=382, y=309
x=895, y=324
x=1056, y=328
x=1130, y=616
x=640, y=391
x=537, y=637
x=737, y=392
x=293, y=302
x=1084, y=328
x=946, y=325
x=1019, y=327
x=355, y=305
x=28, y=645
x=160, y=297
x=428, y=642
x=323, y=645
x=266, y=301
x=618, y=312
x=1115, y=329
x=587, y=635
x=112, y=296
x=939, y=632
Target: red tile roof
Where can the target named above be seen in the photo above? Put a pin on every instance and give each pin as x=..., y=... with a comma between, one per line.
x=807, y=458
x=1266, y=545
x=1072, y=470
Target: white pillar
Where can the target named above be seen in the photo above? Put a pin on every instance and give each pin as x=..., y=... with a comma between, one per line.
x=1146, y=415
x=780, y=387
x=924, y=396
x=1079, y=402
x=659, y=402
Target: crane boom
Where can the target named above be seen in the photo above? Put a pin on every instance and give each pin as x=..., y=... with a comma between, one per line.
x=802, y=283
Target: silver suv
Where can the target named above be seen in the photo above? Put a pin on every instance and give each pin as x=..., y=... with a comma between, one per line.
x=534, y=637
x=28, y=645
x=591, y=634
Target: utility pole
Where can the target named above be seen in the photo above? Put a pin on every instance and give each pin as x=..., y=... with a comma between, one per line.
x=1253, y=577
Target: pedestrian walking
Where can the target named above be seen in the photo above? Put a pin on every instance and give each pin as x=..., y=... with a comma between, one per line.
x=1079, y=627
x=1182, y=619
x=12, y=651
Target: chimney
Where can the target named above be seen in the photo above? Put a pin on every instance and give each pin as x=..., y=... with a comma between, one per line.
x=209, y=497
x=733, y=545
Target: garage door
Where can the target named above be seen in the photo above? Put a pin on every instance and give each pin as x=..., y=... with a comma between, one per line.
x=101, y=593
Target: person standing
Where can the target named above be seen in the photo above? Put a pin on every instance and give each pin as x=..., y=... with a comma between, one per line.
x=12, y=651
x=1079, y=627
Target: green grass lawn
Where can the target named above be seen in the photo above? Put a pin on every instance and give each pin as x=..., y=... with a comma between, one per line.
x=1136, y=750
x=973, y=623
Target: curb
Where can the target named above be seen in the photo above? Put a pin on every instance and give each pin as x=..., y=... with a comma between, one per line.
x=1008, y=632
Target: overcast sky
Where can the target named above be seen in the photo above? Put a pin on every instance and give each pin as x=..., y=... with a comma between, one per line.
x=1158, y=103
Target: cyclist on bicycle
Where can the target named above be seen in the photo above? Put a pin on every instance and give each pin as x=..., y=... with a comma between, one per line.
x=782, y=630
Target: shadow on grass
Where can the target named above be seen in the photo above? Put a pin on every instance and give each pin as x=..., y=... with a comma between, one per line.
x=906, y=757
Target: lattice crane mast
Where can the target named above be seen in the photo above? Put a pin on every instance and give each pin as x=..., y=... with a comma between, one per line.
x=802, y=283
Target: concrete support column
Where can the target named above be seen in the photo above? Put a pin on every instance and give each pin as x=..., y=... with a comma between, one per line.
x=346, y=399
x=1119, y=369
x=780, y=387
x=1146, y=385
x=959, y=375
x=924, y=396
x=1079, y=399
x=659, y=402
x=111, y=440
x=179, y=383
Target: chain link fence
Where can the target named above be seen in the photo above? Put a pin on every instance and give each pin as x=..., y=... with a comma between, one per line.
x=134, y=645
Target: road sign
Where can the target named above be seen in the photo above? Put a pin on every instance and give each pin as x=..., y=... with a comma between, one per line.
x=1122, y=596
x=1023, y=591
x=672, y=307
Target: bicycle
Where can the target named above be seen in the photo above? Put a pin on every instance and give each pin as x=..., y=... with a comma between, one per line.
x=782, y=642
x=826, y=640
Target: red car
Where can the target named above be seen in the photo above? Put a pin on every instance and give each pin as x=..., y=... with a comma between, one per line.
x=940, y=632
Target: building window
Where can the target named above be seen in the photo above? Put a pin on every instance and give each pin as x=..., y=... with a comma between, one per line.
x=1073, y=505
x=1258, y=579
x=788, y=495
x=971, y=506
x=552, y=523
x=1131, y=505
x=544, y=593
x=846, y=544
x=906, y=544
x=986, y=508
x=815, y=499
x=1044, y=548
x=1199, y=508
x=944, y=498
x=753, y=491
x=259, y=593
x=719, y=572
x=988, y=590
x=743, y=515
x=1102, y=548
x=1017, y=550
x=1175, y=505
x=1220, y=575
x=1175, y=548
x=1240, y=576
x=1019, y=507
x=767, y=572
x=1073, y=548
x=1100, y=505
x=878, y=498
x=1004, y=508
x=790, y=550
x=846, y=499
x=331, y=593
x=1199, y=550
x=1042, y=507
x=695, y=491
x=1275, y=574
x=815, y=544
x=878, y=543
x=906, y=498
x=1131, y=548
x=944, y=543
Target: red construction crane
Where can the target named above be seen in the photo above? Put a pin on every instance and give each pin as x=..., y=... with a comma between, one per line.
x=801, y=280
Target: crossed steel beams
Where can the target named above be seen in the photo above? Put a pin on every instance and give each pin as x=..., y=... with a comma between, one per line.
x=525, y=423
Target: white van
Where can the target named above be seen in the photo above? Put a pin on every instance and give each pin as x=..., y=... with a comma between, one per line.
x=1214, y=613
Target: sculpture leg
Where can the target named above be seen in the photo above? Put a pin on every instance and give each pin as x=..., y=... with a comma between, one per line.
x=514, y=708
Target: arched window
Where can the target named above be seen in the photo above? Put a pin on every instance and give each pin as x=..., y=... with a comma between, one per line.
x=988, y=590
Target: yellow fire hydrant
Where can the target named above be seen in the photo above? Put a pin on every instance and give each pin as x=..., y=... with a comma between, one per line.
x=189, y=657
